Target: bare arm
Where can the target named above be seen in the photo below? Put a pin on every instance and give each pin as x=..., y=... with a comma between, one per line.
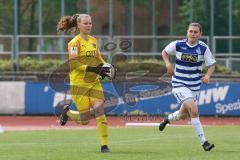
x=100, y=57
x=170, y=69
x=209, y=73
x=99, y=54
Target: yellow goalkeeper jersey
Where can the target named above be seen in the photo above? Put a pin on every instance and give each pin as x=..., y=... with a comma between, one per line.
x=83, y=53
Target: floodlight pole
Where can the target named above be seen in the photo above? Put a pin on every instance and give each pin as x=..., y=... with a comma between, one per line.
x=212, y=27
x=154, y=42
x=171, y=16
x=40, y=28
x=110, y=55
x=132, y=25
x=229, y=64
x=88, y=6
x=111, y=19
x=191, y=10
x=14, y=57
x=62, y=39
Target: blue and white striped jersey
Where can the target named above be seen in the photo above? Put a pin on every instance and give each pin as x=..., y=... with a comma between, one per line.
x=189, y=59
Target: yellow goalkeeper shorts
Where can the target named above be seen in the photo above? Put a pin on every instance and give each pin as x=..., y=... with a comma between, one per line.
x=84, y=95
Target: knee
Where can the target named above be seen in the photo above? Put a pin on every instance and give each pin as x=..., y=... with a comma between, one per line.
x=99, y=102
x=98, y=108
x=85, y=116
x=83, y=122
x=194, y=112
x=184, y=116
x=97, y=112
x=192, y=108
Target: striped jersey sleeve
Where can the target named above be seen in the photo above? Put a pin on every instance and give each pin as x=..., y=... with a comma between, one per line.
x=209, y=59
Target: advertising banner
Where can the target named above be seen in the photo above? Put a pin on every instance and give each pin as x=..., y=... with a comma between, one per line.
x=12, y=97
x=136, y=98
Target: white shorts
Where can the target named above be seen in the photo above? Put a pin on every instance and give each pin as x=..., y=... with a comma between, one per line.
x=184, y=93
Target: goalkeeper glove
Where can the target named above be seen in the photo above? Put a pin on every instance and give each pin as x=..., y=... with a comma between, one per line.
x=100, y=70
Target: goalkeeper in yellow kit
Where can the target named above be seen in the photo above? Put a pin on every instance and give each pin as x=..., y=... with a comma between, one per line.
x=85, y=71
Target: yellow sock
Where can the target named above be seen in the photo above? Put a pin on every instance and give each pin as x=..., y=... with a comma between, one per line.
x=102, y=129
x=73, y=115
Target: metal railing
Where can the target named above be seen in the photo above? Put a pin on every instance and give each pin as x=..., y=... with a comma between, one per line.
x=227, y=58
x=155, y=44
x=3, y=51
x=57, y=45
x=141, y=45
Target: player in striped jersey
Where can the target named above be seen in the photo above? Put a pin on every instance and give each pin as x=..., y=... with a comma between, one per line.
x=187, y=78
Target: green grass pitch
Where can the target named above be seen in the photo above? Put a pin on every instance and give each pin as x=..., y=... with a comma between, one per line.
x=142, y=143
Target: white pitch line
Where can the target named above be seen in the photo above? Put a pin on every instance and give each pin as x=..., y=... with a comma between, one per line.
x=151, y=124
x=141, y=124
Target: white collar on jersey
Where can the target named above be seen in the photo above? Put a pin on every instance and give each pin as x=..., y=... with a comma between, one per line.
x=191, y=45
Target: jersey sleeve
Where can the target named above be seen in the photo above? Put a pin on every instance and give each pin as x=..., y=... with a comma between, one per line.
x=208, y=58
x=171, y=48
x=73, y=56
x=73, y=50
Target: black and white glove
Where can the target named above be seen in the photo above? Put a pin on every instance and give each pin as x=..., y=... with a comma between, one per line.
x=109, y=71
x=101, y=70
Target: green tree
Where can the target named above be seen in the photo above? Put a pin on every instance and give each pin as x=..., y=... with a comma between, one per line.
x=6, y=17
x=201, y=14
